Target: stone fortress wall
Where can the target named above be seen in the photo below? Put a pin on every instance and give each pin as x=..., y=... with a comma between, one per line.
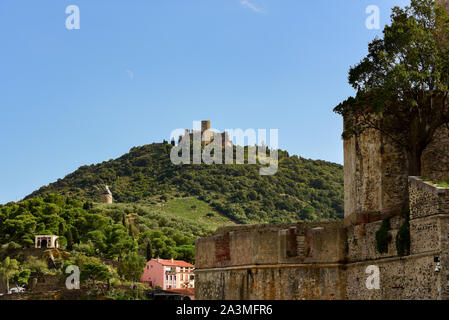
x=329, y=260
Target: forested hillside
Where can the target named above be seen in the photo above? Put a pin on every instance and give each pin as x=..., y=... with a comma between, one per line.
x=301, y=190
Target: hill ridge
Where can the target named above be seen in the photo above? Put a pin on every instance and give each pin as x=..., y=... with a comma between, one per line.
x=303, y=189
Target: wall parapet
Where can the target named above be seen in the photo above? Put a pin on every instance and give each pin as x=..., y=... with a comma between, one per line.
x=299, y=243
x=426, y=199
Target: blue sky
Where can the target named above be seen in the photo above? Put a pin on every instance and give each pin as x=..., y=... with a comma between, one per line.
x=136, y=70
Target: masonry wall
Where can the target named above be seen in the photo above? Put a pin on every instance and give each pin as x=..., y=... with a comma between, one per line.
x=329, y=261
x=408, y=278
x=435, y=159
x=280, y=282
x=376, y=174
x=292, y=261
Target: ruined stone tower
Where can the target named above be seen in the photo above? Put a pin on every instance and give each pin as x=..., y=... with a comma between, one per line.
x=205, y=125
x=208, y=135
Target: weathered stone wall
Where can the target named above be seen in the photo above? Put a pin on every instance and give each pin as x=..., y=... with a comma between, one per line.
x=427, y=199
x=279, y=282
x=362, y=164
x=289, y=261
x=272, y=244
x=362, y=241
x=435, y=159
x=328, y=260
x=375, y=175
x=410, y=277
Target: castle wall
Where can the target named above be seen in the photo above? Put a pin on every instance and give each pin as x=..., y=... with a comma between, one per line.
x=278, y=282
x=362, y=241
x=409, y=277
x=328, y=260
x=435, y=159
x=375, y=178
x=290, y=261
x=362, y=163
x=405, y=278
x=376, y=174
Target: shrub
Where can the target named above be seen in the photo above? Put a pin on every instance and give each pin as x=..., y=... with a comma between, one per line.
x=383, y=236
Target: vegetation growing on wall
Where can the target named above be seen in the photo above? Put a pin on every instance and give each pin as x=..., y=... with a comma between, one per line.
x=383, y=236
x=403, y=236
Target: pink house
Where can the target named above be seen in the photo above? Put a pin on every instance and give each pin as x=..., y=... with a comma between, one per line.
x=169, y=274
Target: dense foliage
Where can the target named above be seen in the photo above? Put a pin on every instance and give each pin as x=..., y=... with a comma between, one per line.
x=112, y=232
x=301, y=190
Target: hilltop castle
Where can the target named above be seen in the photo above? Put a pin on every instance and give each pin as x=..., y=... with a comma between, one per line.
x=207, y=135
x=410, y=249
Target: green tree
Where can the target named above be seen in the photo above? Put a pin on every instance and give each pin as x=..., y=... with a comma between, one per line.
x=22, y=277
x=131, y=267
x=149, y=250
x=69, y=237
x=61, y=228
x=186, y=253
x=117, y=241
x=402, y=84
x=36, y=265
x=8, y=269
x=94, y=271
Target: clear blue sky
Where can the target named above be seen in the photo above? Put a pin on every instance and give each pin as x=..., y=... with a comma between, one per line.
x=138, y=69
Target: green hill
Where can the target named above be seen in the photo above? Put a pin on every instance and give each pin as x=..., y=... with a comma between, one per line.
x=301, y=190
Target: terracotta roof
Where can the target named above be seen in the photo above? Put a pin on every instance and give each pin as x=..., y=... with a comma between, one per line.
x=175, y=263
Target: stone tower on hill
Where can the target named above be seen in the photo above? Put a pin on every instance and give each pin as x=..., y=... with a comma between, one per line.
x=207, y=135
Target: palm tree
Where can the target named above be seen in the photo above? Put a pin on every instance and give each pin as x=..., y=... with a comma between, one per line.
x=7, y=270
